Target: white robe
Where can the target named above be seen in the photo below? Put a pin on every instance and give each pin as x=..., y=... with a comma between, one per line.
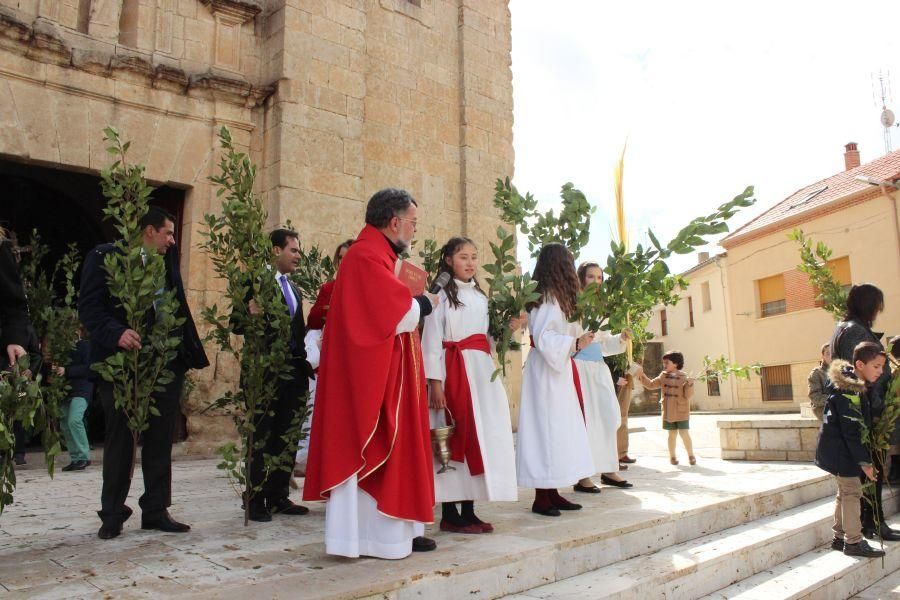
x=490, y=407
x=553, y=448
x=353, y=525
x=311, y=342
x=601, y=406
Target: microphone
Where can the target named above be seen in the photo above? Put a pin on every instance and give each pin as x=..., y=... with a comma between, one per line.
x=439, y=283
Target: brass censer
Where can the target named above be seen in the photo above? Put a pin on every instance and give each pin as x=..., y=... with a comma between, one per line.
x=440, y=442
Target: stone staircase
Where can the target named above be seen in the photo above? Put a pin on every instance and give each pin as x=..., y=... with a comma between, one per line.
x=784, y=555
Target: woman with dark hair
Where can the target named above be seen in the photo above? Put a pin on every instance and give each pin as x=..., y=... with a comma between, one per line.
x=864, y=303
x=602, y=416
x=456, y=352
x=553, y=448
x=319, y=310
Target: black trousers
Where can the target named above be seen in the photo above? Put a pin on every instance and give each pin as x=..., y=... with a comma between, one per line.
x=287, y=401
x=156, y=452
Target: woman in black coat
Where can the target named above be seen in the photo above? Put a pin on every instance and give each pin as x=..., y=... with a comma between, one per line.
x=864, y=303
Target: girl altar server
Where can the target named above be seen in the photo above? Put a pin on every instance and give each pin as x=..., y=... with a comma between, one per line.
x=601, y=405
x=553, y=447
x=457, y=358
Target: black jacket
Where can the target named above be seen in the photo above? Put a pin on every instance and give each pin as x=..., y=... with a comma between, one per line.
x=105, y=320
x=79, y=373
x=298, y=329
x=846, y=336
x=840, y=450
x=14, y=322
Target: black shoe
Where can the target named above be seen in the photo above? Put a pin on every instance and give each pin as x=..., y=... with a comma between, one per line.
x=887, y=534
x=259, y=513
x=627, y=460
x=863, y=549
x=837, y=544
x=423, y=544
x=286, y=507
x=547, y=512
x=615, y=483
x=109, y=531
x=77, y=465
x=561, y=503
x=586, y=490
x=20, y=459
x=163, y=521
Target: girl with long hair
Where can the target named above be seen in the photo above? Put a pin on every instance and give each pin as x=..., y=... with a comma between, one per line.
x=601, y=405
x=553, y=447
x=457, y=358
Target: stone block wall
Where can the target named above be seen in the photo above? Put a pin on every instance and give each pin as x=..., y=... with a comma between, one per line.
x=332, y=99
x=791, y=439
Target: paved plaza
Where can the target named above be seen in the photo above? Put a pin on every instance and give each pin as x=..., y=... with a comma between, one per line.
x=49, y=547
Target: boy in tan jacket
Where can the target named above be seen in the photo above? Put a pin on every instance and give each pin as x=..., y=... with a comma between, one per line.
x=677, y=391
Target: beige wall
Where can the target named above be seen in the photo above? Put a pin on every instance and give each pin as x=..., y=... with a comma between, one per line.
x=333, y=99
x=709, y=335
x=867, y=234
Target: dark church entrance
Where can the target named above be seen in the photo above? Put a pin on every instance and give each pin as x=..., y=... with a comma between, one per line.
x=67, y=207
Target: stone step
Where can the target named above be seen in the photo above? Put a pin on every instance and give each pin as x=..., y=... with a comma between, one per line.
x=818, y=574
x=885, y=589
x=532, y=551
x=704, y=564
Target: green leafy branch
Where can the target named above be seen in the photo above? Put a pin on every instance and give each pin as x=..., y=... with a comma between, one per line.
x=20, y=401
x=508, y=294
x=60, y=333
x=571, y=227
x=814, y=262
x=722, y=368
x=241, y=252
x=636, y=282
x=314, y=270
x=136, y=277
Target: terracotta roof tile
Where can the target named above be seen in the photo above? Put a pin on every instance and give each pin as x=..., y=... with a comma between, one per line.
x=818, y=194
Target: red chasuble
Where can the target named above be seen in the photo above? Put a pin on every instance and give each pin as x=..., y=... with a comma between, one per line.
x=371, y=409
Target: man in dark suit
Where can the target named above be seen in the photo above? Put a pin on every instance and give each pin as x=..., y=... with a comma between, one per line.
x=273, y=498
x=109, y=333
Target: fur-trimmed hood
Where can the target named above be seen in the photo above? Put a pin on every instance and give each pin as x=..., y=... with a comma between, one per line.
x=844, y=378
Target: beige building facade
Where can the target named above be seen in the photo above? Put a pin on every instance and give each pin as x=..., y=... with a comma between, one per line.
x=332, y=99
x=699, y=326
x=772, y=316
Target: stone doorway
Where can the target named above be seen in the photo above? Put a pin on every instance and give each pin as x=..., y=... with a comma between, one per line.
x=65, y=207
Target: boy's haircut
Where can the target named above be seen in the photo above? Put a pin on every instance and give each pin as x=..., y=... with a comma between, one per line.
x=676, y=357
x=867, y=351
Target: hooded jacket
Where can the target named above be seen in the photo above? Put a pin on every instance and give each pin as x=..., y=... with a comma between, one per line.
x=840, y=450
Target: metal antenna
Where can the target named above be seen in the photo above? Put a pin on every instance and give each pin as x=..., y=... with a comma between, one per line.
x=887, y=115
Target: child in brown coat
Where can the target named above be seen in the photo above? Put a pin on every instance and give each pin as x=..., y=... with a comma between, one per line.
x=677, y=391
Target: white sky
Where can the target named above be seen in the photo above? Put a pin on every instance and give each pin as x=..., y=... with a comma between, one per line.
x=713, y=96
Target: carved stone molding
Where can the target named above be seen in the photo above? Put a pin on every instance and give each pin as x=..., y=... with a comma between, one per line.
x=42, y=42
x=235, y=11
x=229, y=16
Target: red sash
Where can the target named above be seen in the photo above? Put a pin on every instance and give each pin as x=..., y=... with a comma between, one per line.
x=577, y=383
x=464, y=445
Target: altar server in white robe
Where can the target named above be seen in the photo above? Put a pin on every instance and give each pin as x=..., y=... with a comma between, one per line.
x=456, y=351
x=553, y=447
x=602, y=416
x=313, y=343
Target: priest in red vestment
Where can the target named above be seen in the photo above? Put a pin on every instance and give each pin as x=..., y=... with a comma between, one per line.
x=370, y=447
